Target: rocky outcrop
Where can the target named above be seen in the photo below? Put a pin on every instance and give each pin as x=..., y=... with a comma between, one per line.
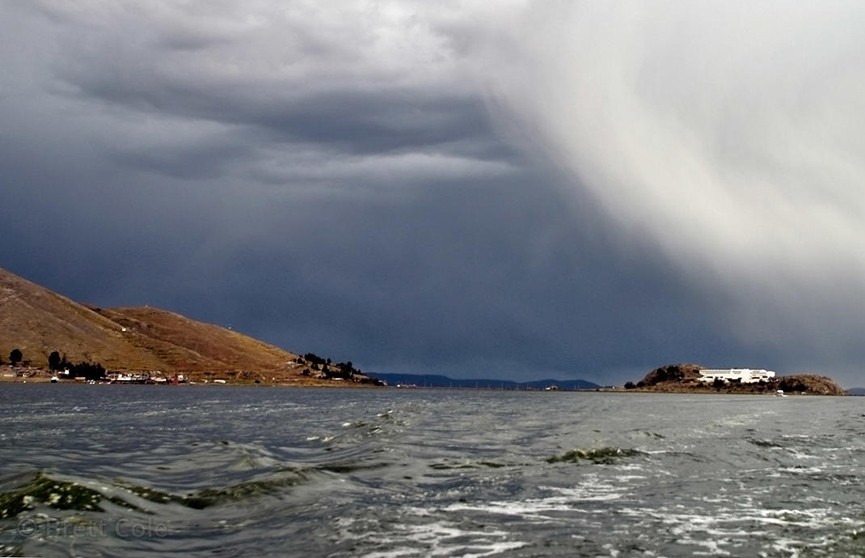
x=810, y=383
x=672, y=373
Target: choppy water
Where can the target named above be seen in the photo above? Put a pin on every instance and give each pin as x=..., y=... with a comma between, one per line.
x=226, y=471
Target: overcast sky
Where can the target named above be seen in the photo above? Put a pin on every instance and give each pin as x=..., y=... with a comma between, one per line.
x=509, y=189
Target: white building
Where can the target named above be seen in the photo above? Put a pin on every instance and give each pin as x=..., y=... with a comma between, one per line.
x=745, y=375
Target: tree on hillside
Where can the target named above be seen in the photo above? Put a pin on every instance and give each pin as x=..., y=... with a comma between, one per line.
x=54, y=360
x=87, y=370
x=15, y=356
x=314, y=358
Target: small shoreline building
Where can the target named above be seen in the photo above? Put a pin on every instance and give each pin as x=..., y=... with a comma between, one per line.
x=742, y=375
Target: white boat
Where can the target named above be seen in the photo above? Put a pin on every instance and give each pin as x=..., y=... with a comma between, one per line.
x=780, y=393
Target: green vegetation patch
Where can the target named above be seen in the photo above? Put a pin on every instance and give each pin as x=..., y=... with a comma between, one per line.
x=64, y=495
x=764, y=443
x=598, y=456
x=250, y=489
x=56, y=494
x=149, y=494
x=467, y=465
x=448, y=466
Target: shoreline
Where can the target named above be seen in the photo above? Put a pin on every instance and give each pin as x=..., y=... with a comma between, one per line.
x=29, y=375
x=40, y=380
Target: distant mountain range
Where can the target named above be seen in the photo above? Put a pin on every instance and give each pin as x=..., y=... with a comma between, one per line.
x=437, y=381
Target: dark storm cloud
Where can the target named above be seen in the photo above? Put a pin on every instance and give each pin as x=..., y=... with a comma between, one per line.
x=262, y=79
x=329, y=178
x=468, y=275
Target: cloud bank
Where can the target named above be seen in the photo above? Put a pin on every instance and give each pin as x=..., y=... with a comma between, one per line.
x=521, y=189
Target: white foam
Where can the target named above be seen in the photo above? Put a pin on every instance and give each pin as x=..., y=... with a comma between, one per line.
x=442, y=538
x=562, y=499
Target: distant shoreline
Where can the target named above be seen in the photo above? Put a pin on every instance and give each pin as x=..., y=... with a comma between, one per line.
x=24, y=375
x=29, y=375
x=43, y=379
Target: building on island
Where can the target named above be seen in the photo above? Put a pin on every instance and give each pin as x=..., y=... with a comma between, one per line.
x=742, y=375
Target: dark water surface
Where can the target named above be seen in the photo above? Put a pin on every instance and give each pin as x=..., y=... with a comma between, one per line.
x=229, y=471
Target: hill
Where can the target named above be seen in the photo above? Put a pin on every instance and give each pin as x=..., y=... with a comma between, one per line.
x=685, y=378
x=437, y=381
x=38, y=321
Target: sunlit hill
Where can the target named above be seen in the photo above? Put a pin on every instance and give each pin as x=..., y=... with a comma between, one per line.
x=38, y=321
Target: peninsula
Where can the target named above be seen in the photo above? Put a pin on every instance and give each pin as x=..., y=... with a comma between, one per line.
x=43, y=333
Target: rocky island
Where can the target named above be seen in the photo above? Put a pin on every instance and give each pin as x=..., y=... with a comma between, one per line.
x=693, y=378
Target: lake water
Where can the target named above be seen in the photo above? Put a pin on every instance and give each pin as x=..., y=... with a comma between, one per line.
x=233, y=471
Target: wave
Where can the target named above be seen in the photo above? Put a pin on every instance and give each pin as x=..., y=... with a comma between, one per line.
x=30, y=491
x=598, y=456
x=26, y=492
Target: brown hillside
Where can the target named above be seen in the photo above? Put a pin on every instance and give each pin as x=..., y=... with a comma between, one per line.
x=38, y=321
x=187, y=345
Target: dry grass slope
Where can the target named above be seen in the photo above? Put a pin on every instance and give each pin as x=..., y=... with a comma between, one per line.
x=38, y=321
x=188, y=345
